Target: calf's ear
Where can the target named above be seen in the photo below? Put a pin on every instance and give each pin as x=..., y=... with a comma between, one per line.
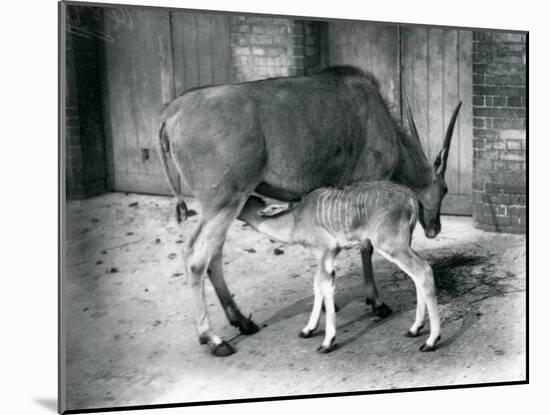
x=273, y=210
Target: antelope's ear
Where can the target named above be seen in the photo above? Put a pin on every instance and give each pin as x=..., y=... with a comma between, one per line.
x=410, y=120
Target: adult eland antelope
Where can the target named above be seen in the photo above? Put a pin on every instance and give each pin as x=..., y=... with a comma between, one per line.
x=329, y=219
x=282, y=138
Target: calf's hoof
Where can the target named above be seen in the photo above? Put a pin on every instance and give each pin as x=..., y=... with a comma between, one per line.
x=223, y=349
x=247, y=326
x=411, y=333
x=381, y=311
x=427, y=348
x=327, y=349
x=306, y=334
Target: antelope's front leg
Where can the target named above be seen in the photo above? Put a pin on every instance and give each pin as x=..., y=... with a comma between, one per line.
x=378, y=307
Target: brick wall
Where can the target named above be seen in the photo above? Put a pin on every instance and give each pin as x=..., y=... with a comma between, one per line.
x=265, y=47
x=499, y=110
x=73, y=159
x=313, y=52
x=85, y=169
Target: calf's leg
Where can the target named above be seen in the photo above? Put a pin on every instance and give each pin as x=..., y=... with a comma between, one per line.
x=422, y=275
x=315, y=315
x=420, y=313
x=327, y=288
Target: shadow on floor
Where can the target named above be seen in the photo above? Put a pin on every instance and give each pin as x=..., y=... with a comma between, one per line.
x=48, y=403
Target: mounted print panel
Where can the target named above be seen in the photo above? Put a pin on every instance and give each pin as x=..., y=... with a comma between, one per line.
x=264, y=207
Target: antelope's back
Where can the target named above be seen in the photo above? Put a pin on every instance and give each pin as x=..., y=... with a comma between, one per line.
x=326, y=129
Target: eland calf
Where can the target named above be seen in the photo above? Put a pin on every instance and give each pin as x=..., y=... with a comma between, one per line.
x=328, y=219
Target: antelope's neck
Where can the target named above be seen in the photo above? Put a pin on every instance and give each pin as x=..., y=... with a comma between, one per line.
x=413, y=169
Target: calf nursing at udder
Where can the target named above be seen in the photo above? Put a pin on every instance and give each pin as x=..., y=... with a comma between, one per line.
x=328, y=219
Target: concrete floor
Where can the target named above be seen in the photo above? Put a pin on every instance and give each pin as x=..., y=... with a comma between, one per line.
x=128, y=309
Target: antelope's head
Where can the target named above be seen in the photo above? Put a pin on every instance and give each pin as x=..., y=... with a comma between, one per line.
x=431, y=196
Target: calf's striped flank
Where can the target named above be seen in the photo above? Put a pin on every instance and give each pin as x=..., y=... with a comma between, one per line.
x=337, y=209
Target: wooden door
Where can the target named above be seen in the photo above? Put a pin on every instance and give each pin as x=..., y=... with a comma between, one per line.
x=433, y=68
x=371, y=47
x=436, y=73
x=138, y=80
x=202, y=54
x=151, y=57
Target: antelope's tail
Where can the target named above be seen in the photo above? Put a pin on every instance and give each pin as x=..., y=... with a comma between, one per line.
x=164, y=144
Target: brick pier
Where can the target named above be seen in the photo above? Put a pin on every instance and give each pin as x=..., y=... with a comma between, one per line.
x=500, y=146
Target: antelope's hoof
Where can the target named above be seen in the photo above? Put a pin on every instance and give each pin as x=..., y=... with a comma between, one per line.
x=327, y=349
x=223, y=349
x=306, y=334
x=247, y=326
x=427, y=348
x=382, y=310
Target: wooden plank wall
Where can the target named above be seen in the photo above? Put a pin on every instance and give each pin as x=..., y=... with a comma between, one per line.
x=138, y=79
x=202, y=54
x=371, y=47
x=152, y=57
x=436, y=73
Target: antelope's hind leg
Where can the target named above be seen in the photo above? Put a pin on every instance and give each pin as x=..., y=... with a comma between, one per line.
x=379, y=308
x=234, y=315
x=196, y=260
x=204, y=252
